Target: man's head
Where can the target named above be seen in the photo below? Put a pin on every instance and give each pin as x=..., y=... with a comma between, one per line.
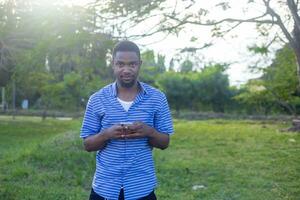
x=126, y=63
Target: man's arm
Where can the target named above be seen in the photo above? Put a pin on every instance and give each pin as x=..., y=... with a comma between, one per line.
x=162, y=124
x=95, y=142
x=98, y=141
x=159, y=140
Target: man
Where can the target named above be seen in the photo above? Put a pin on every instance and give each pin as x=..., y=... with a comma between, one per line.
x=123, y=122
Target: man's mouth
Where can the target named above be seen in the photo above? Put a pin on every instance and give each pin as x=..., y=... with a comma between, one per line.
x=126, y=77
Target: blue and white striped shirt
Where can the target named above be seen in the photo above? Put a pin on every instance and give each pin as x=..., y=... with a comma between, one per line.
x=126, y=163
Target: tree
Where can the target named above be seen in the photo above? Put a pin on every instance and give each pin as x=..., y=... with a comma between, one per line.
x=6, y=65
x=55, y=49
x=255, y=98
x=212, y=87
x=152, y=66
x=186, y=66
x=280, y=80
x=178, y=89
x=205, y=90
x=277, y=88
x=282, y=14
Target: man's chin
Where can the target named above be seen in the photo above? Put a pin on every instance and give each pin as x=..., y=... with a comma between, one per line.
x=127, y=84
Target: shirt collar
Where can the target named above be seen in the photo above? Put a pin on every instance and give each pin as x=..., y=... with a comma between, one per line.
x=141, y=85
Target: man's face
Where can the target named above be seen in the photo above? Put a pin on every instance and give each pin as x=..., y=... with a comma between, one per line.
x=126, y=65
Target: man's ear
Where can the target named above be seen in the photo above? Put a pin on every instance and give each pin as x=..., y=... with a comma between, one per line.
x=113, y=63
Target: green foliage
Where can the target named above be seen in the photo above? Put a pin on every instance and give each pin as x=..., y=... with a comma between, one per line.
x=213, y=85
x=152, y=66
x=281, y=80
x=6, y=65
x=178, y=89
x=186, y=66
x=277, y=89
x=259, y=49
x=254, y=96
x=205, y=90
x=59, y=53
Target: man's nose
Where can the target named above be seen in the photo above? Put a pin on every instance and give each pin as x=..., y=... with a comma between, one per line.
x=126, y=68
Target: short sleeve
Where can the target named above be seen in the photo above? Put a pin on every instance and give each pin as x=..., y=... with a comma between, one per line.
x=91, y=124
x=163, y=119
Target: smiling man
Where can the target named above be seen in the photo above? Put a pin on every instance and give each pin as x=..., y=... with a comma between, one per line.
x=123, y=122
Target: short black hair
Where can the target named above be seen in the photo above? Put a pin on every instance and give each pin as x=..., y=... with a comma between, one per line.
x=126, y=45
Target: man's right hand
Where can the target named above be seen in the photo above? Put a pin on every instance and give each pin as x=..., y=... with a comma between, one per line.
x=114, y=132
x=98, y=141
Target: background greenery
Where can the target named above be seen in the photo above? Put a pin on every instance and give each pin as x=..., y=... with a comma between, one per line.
x=57, y=55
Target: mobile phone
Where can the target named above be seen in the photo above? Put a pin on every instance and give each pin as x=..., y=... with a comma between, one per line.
x=125, y=126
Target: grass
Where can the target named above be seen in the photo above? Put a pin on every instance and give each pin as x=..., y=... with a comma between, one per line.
x=226, y=159
x=22, y=135
x=43, y=160
x=232, y=160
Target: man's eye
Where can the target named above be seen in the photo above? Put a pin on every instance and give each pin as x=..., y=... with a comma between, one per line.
x=120, y=64
x=133, y=64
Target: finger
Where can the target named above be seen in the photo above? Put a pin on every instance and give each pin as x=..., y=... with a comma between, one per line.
x=117, y=134
x=136, y=126
x=134, y=135
x=118, y=127
x=120, y=136
x=126, y=127
x=138, y=123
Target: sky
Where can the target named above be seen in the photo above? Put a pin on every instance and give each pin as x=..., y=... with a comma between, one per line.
x=230, y=49
x=233, y=48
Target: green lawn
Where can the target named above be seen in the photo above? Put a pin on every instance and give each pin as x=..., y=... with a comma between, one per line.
x=220, y=159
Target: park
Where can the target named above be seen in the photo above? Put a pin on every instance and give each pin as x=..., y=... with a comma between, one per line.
x=229, y=71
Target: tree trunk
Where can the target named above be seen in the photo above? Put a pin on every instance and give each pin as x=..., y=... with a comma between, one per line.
x=3, y=99
x=296, y=48
x=298, y=67
x=296, y=125
x=177, y=111
x=14, y=99
x=44, y=114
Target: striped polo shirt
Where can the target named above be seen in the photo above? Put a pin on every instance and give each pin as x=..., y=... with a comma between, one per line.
x=125, y=163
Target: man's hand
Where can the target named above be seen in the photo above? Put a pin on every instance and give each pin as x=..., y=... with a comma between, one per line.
x=138, y=130
x=141, y=130
x=98, y=141
x=133, y=131
x=114, y=132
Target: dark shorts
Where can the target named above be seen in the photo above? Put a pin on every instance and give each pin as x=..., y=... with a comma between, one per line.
x=95, y=196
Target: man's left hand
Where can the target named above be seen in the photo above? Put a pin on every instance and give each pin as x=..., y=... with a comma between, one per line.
x=139, y=130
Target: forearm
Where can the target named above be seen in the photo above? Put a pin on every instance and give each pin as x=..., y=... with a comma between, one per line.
x=159, y=140
x=95, y=142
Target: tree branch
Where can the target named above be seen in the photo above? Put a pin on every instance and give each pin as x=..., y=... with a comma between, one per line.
x=168, y=29
x=194, y=49
x=231, y=28
x=282, y=40
x=271, y=42
x=254, y=20
x=280, y=23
